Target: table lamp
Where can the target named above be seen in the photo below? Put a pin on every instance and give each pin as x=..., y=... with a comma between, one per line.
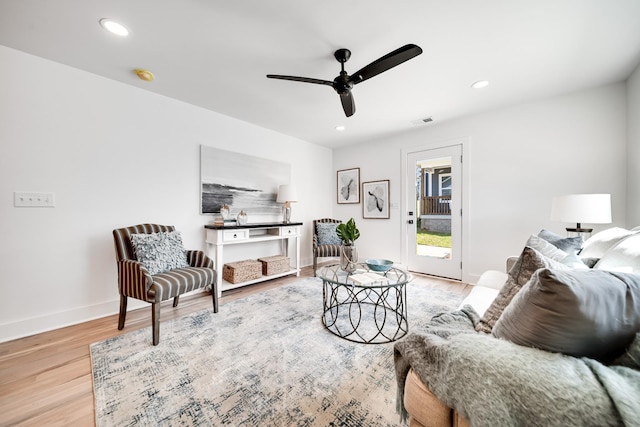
x=287, y=194
x=579, y=208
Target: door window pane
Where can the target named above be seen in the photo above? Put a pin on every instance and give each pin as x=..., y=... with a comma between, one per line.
x=433, y=190
x=445, y=185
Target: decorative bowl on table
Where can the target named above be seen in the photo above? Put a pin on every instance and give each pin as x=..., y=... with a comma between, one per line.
x=381, y=265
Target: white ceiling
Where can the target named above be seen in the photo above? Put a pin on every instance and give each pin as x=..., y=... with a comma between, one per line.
x=215, y=54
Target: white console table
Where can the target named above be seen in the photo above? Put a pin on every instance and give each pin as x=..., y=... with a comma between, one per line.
x=219, y=236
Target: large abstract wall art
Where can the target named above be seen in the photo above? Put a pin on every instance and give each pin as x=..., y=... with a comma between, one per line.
x=241, y=181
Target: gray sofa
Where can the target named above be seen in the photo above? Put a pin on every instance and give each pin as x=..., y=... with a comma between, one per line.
x=550, y=343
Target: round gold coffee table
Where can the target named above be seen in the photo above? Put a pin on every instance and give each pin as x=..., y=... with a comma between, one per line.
x=365, y=306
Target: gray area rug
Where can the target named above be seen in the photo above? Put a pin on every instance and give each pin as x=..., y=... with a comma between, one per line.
x=263, y=360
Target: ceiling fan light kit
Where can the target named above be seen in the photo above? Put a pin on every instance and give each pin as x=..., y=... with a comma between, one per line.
x=344, y=82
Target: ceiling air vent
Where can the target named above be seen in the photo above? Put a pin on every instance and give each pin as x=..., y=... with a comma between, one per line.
x=422, y=121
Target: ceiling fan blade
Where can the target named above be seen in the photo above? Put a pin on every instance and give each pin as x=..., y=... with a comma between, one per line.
x=301, y=79
x=385, y=63
x=348, y=103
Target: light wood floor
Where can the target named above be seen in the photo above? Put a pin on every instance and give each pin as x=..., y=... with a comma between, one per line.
x=46, y=379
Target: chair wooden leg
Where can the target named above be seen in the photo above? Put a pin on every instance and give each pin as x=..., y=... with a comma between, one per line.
x=315, y=265
x=155, y=320
x=214, y=294
x=175, y=301
x=123, y=312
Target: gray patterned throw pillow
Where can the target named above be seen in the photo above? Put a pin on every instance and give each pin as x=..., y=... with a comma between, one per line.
x=327, y=233
x=159, y=252
x=530, y=260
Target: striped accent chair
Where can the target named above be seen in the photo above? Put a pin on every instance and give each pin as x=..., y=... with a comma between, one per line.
x=320, y=251
x=135, y=281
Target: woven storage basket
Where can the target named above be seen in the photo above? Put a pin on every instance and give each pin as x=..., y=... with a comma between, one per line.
x=274, y=264
x=242, y=271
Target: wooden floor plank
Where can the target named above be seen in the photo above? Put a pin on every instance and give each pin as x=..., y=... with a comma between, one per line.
x=78, y=412
x=46, y=379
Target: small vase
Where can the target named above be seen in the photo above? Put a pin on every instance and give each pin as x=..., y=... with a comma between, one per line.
x=224, y=211
x=242, y=218
x=348, y=258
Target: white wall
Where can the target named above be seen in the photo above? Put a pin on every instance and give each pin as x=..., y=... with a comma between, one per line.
x=114, y=155
x=518, y=158
x=633, y=135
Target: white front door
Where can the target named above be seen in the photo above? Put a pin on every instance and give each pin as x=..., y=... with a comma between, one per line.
x=434, y=211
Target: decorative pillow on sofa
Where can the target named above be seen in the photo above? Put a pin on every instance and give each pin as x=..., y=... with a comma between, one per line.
x=567, y=244
x=624, y=256
x=327, y=233
x=596, y=245
x=574, y=261
x=631, y=356
x=159, y=252
x=530, y=260
x=546, y=248
x=582, y=313
x=552, y=251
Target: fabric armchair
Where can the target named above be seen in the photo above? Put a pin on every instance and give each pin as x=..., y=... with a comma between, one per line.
x=199, y=259
x=320, y=247
x=135, y=280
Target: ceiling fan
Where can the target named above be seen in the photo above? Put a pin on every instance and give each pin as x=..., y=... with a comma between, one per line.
x=343, y=83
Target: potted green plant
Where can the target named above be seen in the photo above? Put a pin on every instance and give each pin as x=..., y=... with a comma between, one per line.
x=348, y=233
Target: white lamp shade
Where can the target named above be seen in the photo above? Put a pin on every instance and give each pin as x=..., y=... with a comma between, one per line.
x=287, y=193
x=582, y=208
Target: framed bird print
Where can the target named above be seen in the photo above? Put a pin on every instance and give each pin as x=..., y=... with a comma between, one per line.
x=349, y=186
x=375, y=199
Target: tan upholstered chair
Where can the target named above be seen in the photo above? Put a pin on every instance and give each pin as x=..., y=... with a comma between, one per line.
x=135, y=281
x=319, y=250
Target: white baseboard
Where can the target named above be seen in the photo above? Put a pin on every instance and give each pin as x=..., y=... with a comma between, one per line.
x=473, y=278
x=35, y=325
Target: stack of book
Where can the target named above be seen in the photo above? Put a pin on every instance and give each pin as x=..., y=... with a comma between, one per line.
x=221, y=222
x=365, y=278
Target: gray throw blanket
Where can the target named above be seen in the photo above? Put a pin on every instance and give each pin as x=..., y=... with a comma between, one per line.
x=494, y=382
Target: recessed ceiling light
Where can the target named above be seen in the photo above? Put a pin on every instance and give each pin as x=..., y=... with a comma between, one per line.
x=114, y=27
x=340, y=128
x=480, y=84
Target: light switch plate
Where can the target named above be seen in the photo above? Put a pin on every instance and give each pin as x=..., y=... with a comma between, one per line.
x=31, y=199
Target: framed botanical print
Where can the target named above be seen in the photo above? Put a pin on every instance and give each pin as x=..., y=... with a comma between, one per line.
x=349, y=186
x=375, y=199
